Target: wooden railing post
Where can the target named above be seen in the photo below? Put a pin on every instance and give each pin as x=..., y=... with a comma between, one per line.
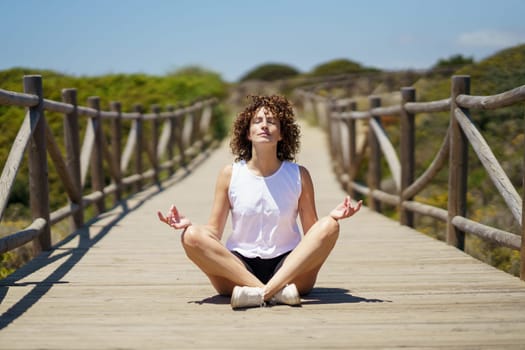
x=323, y=108
x=38, y=171
x=116, y=139
x=188, y=130
x=335, y=134
x=139, y=146
x=330, y=121
x=155, y=143
x=207, y=115
x=374, y=166
x=308, y=106
x=180, y=122
x=522, y=250
x=408, y=148
x=350, y=124
x=171, y=140
x=315, y=109
x=338, y=123
x=458, y=165
x=72, y=144
x=97, y=169
x=196, y=130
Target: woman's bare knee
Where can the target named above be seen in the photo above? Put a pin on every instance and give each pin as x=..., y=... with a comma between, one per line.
x=306, y=282
x=194, y=237
x=328, y=228
x=222, y=285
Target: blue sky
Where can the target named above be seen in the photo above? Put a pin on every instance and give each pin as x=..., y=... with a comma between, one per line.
x=231, y=37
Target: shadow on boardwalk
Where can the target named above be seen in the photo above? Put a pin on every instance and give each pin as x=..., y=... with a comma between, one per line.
x=65, y=257
x=319, y=295
x=39, y=288
x=85, y=241
x=125, y=283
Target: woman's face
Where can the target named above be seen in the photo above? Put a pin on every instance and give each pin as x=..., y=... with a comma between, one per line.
x=264, y=127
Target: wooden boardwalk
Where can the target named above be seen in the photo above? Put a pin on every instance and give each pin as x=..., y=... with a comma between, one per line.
x=125, y=283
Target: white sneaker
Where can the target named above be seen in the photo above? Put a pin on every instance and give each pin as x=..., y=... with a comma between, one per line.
x=247, y=297
x=289, y=295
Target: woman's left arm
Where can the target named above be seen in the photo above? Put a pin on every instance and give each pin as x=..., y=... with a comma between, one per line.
x=307, y=210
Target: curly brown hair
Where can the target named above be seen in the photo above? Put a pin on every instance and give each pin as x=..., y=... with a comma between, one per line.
x=280, y=108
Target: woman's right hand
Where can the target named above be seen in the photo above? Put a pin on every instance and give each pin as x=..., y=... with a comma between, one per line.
x=175, y=219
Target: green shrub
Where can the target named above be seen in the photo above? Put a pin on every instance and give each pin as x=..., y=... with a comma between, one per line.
x=270, y=72
x=340, y=66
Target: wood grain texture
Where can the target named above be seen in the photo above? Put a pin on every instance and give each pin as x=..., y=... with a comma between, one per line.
x=125, y=283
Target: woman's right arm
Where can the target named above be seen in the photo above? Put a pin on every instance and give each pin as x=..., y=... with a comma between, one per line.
x=219, y=212
x=221, y=203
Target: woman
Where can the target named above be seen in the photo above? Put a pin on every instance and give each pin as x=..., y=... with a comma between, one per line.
x=265, y=259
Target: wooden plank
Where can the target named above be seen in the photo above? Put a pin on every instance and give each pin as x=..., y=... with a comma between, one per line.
x=14, y=159
x=37, y=163
x=389, y=152
x=491, y=164
x=85, y=152
x=61, y=166
x=458, y=166
x=504, y=99
x=124, y=282
x=12, y=98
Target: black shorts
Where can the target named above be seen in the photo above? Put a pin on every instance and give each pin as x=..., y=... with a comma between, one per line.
x=263, y=269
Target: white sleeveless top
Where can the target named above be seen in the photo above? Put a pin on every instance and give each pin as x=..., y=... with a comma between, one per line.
x=264, y=211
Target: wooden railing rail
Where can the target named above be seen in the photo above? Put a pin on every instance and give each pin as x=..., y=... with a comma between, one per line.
x=184, y=132
x=339, y=116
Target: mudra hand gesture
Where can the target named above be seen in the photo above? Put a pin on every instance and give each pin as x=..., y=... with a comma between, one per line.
x=175, y=219
x=345, y=209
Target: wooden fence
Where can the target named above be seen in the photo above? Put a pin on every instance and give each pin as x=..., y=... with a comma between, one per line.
x=340, y=115
x=185, y=132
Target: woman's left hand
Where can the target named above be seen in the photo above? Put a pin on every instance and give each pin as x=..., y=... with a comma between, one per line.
x=345, y=209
